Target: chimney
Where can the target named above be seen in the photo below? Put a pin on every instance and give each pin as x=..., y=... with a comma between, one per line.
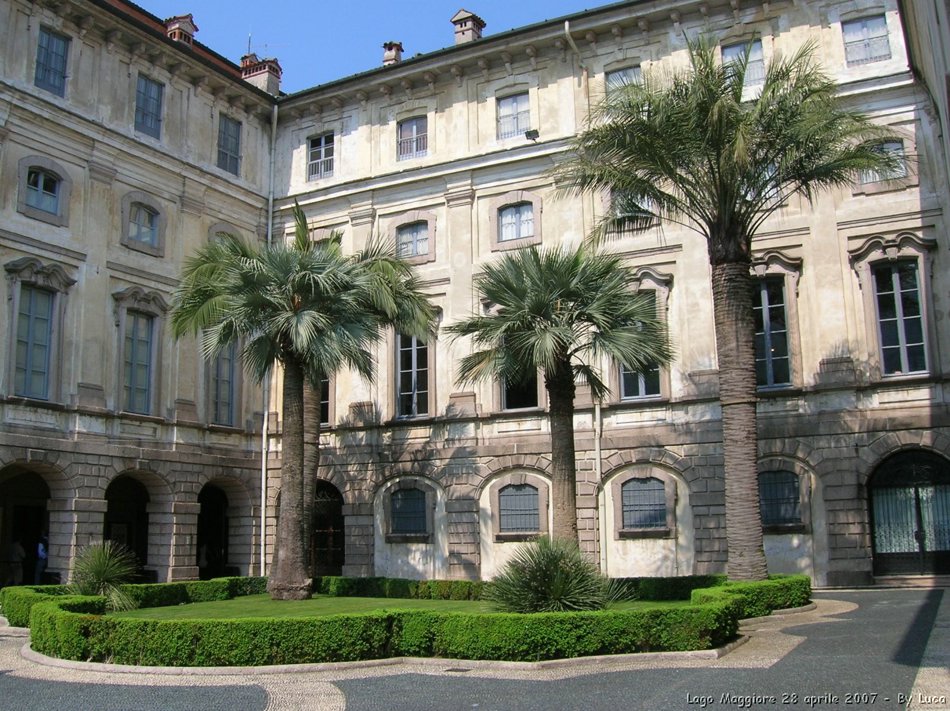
x=262, y=73
x=181, y=28
x=468, y=26
x=392, y=53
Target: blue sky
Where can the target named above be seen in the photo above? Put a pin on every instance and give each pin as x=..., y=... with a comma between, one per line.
x=317, y=42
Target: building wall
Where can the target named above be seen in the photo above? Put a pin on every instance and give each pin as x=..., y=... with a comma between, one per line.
x=822, y=426
x=81, y=435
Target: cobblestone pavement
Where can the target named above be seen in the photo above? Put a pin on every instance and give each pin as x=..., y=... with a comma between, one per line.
x=873, y=649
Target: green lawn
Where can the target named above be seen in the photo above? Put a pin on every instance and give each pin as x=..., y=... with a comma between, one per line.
x=263, y=606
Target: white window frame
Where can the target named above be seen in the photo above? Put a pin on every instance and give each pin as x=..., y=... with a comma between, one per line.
x=419, y=390
x=616, y=79
x=755, y=67
x=512, y=115
x=412, y=240
x=138, y=200
x=152, y=305
x=27, y=205
x=321, y=156
x=416, y=144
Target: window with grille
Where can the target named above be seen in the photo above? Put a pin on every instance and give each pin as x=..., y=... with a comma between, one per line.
x=513, y=114
x=516, y=222
x=223, y=386
x=412, y=240
x=148, y=106
x=643, y=503
x=412, y=139
x=137, y=391
x=320, y=153
x=755, y=63
x=34, y=337
x=779, y=498
x=407, y=511
x=51, y=55
x=518, y=509
x=42, y=190
x=413, y=384
x=866, y=40
x=229, y=144
x=900, y=318
x=143, y=224
x=772, y=364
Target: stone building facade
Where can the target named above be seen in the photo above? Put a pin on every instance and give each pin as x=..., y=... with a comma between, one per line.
x=449, y=155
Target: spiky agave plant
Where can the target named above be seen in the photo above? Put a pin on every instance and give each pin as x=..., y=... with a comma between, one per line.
x=101, y=569
x=551, y=575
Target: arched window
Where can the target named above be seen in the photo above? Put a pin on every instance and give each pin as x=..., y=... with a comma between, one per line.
x=44, y=189
x=143, y=223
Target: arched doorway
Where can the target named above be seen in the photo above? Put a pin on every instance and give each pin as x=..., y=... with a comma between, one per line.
x=213, y=532
x=24, y=516
x=326, y=542
x=126, y=519
x=909, y=501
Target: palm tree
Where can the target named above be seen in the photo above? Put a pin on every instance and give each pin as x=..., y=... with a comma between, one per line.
x=563, y=312
x=311, y=309
x=691, y=149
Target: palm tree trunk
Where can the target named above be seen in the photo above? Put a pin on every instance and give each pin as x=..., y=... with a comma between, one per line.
x=732, y=303
x=288, y=580
x=311, y=463
x=560, y=387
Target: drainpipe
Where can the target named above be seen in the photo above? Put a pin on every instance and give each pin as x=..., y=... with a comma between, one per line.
x=598, y=473
x=580, y=62
x=266, y=395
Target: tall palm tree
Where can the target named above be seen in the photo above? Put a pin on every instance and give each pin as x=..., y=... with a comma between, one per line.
x=691, y=149
x=563, y=312
x=312, y=310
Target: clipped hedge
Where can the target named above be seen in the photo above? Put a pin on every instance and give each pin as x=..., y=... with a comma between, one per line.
x=336, y=586
x=760, y=598
x=17, y=602
x=670, y=588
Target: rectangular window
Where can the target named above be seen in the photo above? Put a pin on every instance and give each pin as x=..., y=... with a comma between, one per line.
x=900, y=318
x=148, y=106
x=894, y=148
x=866, y=40
x=779, y=498
x=514, y=116
x=408, y=511
x=229, y=145
x=518, y=509
x=413, y=384
x=518, y=396
x=516, y=222
x=772, y=365
x=222, y=386
x=51, y=54
x=755, y=65
x=637, y=385
x=412, y=139
x=643, y=503
x=138, y=362
x=325, y=402
x=33, y=342
x=42, y=191
x=620, y=78
x=412, y=240
x=320, y=157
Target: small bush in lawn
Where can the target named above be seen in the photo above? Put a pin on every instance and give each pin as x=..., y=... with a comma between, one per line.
x=551, y=575
x=100, y=569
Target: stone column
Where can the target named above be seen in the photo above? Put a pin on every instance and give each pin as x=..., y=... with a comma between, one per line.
x=184, y=540
x=359, y=537
x=74, y=524
x=160, y=530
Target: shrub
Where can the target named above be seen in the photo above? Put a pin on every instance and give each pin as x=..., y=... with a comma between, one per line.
x=757, y=599
x=551, y=575
x=101, y=569
x=16, y=602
